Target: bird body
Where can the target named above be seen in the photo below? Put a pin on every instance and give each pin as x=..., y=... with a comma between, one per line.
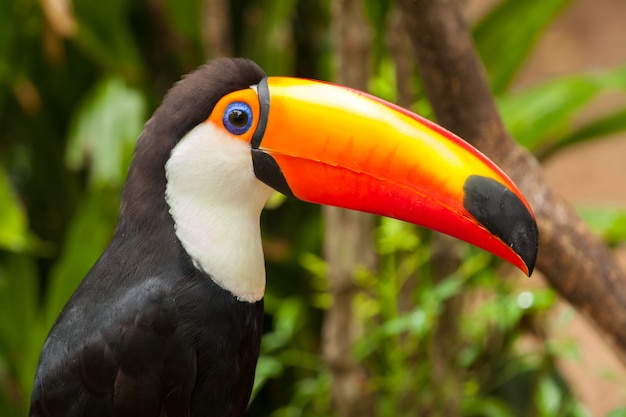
x=146, y=316
x=168, y=322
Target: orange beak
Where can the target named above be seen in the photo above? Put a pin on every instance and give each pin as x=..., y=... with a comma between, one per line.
x=332, y=145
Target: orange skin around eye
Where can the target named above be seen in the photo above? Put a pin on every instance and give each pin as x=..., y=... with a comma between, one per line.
x=248, y=96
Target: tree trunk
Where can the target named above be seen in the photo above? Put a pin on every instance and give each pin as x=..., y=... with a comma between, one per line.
x=216, y=30
x=348, y=234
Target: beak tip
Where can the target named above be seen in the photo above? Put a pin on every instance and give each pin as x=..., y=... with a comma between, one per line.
x=505, y=215
x=528, y=250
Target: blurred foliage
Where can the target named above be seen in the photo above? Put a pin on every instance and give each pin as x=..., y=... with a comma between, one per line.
x=76, y=85
x=606, y=221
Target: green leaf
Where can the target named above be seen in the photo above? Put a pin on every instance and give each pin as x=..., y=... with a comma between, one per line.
x=104, y=131
x=607, y=222
x=543, y=299
x=447, y=288
x=18, y=299
x=506, y=36
x=21, y=332
x=606, y=125
x=616, y=79
x=618, y=412
x=13, y=223
x=383, y=84
x=548, y=397
x=88, y=235
x=540, y=117
x=288, y=320
x=486, y=407
x=543, y=113
x=275, y=201
x=395, y=235
x=267, y=367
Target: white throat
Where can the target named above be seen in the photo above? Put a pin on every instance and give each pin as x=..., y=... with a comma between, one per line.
x=216, y=202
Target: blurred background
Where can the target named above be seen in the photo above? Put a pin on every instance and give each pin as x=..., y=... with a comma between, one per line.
x=79, y=78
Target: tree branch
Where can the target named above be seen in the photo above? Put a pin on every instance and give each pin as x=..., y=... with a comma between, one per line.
x=575, y=262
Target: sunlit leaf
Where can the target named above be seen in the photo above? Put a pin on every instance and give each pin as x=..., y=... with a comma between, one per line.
x=13, y=222
x=104, y=131
x=607, y=222
x=539, y=116
x=505, y=37
x=276, y=200
x=383, y=84
x=395, y=235
x=548, y=397
x=609, y=124
x=267, y=367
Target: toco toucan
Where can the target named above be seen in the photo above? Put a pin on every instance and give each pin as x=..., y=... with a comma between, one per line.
x=168, y=322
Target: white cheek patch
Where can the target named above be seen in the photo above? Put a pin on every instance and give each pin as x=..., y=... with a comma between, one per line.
x=216, y=202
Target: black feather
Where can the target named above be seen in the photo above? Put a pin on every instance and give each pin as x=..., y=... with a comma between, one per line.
x=146, y=333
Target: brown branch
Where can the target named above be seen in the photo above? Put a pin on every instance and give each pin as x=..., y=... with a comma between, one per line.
x=576, y=263
x=348, y=234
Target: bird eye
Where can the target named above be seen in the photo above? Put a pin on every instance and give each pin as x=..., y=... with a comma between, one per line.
x=237, y=118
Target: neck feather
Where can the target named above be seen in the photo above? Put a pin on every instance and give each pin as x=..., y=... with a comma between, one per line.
x=216, y=202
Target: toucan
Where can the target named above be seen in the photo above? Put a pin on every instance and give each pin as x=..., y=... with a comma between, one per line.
x=168, y=321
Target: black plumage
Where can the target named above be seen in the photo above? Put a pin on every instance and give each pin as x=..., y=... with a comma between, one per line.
x=147, y=333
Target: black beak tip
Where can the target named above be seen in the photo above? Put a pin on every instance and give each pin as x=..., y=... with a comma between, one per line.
x=504, y=215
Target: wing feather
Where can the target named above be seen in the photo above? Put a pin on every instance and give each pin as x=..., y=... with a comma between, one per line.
x=137, y=363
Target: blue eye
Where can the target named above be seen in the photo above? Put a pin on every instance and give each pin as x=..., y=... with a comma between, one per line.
x=237, y=118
